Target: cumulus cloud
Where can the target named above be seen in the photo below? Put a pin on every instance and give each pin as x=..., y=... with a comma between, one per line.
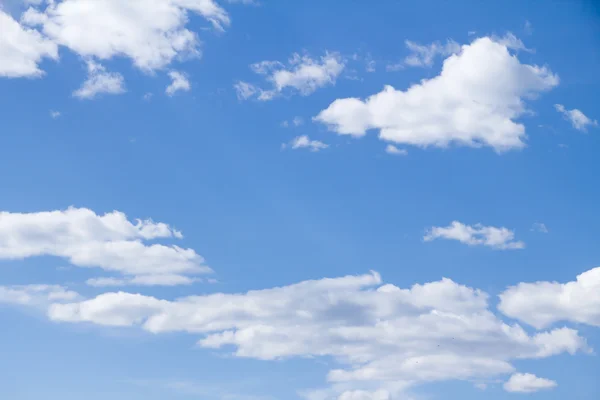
x=302, y=74
x=304, y=142
x=475, y=101
x=424, y=55
x=179, y=82
x=100, y=81
x=391, y=149
x=150, y=32
x=476, y=235
x=578, y=119
x=22, y=49
x=377, y=334
x=527, y=383
x=110, y=242
x=541, y=304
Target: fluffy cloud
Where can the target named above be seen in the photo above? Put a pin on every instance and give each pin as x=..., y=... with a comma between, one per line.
x=379, y=335
x=110, y=242
x=527, y=383
x=391, y=149
x=302, y=74
x=475, y=101
x=179, y=82
x=304, y=142
x=22, y=49
x=423, y=56
x=542, y=304
x=149, y=32
x=476, y=235
x=100, y=81
x=578, y=119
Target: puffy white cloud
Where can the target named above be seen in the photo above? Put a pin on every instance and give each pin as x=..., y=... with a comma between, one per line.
x=578, y=119
x=100, y=81
x=476, y=235
x=302, y=74
x=379, y=335
x=540, y=304
x=424, y=55
x=108, y=241
x=22, y=49
x=527, y=383
x=391, y=149
x=149, y=32
x=55, y=114
x=179, y=82
x=35, y=295
x=304, y=142
x=475, y=101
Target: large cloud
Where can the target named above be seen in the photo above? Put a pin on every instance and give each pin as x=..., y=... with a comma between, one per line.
x=22, y=49
x=541, y=304
x=380, y=336
x=150, y=32
x=474, y=102
x=108, y=241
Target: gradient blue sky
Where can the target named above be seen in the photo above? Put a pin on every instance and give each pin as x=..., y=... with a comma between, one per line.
x=265, y=209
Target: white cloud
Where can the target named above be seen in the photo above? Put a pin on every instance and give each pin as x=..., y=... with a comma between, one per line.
x=108, y=241
x=539, y=227
x=296, y=122
x=378, y=335
x=476, y=235
x=512, y=42
x=55, y=114
x=35, y=295
x=473, y=102
x=179, y=82
x=302, y=74
x=149, y=32
x=424, y=55
x=541, y=304
x=22, y=49
x=578, y=119
x=304, y=142
x=391, y=149
x=527, y=383
x=100, y=81
x=245, y=90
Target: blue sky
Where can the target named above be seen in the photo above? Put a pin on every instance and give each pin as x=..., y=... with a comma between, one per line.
x=316, y=200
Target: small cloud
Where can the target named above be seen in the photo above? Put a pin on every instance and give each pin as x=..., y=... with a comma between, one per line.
x=476, y=235
x=296, y=122
x=472, y=33
x=394, y=67
x=424, y=55
x=55, y=114
x=179, y=82
x=391, y=149
x=481, y=386
x=244, y=90
x=147, y=96
x=302, y=74
x=527, y=383
x=577, y=119
x=539, y=227
x=304, y=142
x=100, y=81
